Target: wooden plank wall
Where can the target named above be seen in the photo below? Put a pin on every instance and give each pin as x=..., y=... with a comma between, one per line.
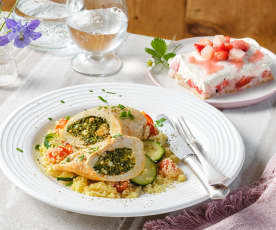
x=186, y=18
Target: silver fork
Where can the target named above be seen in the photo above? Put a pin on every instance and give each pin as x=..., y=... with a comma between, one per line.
x=202, y=168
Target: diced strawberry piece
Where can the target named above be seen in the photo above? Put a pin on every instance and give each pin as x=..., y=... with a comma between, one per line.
x=218, y=40
x=220, y=48
x=266, y=73
x=227, y=39
x=207, y=52
x=192, y=85
x=236, y=54
x=220, y=55
x=228, y=46
x=240, y=44
x=243, y=81
x=175, y=65
x=199, y=47
x=206, y=41
x=222, y=85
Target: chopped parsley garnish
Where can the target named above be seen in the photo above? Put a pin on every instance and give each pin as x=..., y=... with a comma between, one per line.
x=121, y=106
x=123, y=114
x=37, y=147
x=68, y=159
x=103, y=90
x=117, y=135
x=110, y=92
x=50, y=119
x=48, y=138
x=67, y=117
x=66, y=178
x=69, y=183
x=81, y=157
x=91, y=91
x=126, y=114
x=19, y=150
x=102, y=99
x=160, y=122
x=62, y=101
x=130, y=115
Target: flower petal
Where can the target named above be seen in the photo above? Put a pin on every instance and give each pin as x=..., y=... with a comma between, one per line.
x=10, y=23
x=33, y=24
x=11, y=35
x=4, y=40
x=35, y=35
x=21, y=43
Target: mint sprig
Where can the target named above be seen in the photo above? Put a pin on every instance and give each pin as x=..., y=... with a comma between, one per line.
x=159, y=53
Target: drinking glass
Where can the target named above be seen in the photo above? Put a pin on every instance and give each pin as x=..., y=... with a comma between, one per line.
x=98, y=30
x=52, y=15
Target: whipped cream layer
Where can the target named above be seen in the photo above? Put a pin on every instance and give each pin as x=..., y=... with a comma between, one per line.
x=200, y=77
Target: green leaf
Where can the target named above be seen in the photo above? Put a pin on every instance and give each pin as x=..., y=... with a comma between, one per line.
x=159, y=45
x=47, y=139
x=160, y=122
x=152, y=52
x=168, y=56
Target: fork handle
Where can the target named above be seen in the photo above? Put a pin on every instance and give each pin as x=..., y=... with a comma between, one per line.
x=212, y=174
x=217, y=191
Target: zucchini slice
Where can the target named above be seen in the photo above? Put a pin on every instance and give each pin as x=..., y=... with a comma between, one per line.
x=148, y=175
x=154, y=150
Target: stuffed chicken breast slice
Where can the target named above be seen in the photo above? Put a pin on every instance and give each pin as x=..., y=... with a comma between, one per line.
x=97, y=124
x=115, y=159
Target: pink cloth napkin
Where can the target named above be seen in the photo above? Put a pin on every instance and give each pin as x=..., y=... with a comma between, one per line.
x=248, y=208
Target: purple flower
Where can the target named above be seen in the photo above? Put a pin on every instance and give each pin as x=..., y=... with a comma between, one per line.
x=21, y=34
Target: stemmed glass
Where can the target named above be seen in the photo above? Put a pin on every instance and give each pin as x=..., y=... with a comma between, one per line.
x=98, y=30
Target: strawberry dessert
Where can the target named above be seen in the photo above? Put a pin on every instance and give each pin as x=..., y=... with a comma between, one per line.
x=221, y=65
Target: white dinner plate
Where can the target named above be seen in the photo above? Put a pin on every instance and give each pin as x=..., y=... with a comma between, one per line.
x=24, y=128
x=243, y=98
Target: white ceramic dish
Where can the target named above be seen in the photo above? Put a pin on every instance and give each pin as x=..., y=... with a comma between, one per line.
x=24, y=128
x=244, y=98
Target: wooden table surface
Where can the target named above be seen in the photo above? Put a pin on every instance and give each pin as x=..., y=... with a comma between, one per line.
x=42, y=72
x=187, y=18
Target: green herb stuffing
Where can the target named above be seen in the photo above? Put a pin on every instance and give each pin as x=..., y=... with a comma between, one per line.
x=19, y=150
x=160, y=122
x=48, y=139
x=89, y=129
x=115, y=162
